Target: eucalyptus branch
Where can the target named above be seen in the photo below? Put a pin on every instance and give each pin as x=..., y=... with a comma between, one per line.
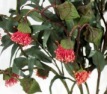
x=46, y=17
x=78, y=36
x=48, y=54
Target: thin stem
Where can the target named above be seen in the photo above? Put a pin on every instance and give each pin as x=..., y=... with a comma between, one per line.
x=62, y=68
x=42, y=11
x=98, y=81
x=72, y=87
x=73, y=29
x=18, y=6
x=87, y=88
x=7, y=33
x=63, y=81
x=78, y=41
x=23, y=51
x=81, y=89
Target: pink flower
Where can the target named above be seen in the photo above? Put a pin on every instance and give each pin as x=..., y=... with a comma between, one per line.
x=81, y=76
x=65, y=55
x=21, y=38
x=42, y=73
x=13, y=80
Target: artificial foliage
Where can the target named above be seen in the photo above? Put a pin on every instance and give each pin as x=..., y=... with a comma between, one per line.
x=68, y=29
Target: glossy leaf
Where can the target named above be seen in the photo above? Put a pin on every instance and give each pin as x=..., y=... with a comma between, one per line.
x=98, y=60
x=18, y=64
x=13, y=50
x=67, y=44
x=37, y=28
x=46, y=37
x=87, y=14
x=37, y=53
x=94, y=35
x=67, y=11
x=34, y=15
x=6, y=42
x=69, y=67
x=24, y=27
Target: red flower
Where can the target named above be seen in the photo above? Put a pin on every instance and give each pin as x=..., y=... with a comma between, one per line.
x=81, y=76
x=13, y=80
x=65, y=55
x=21, y=38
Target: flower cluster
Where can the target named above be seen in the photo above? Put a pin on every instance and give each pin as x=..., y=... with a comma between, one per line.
x=81, y=76
x=13, y=80
x=21, y=38
x=65, y=55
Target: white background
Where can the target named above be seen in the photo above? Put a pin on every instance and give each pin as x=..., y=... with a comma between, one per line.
x=58, y=88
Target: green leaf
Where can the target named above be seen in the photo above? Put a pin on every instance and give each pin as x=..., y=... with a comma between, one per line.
x=37, y=28
x=46, y=37
x=87, y=14
x=67, y=11
x=69, y=67
x=13, y=50
x=30, y=65
x=94, y=35
x=51, y=46
x=18, y=64
x=92, y=53
x=34, y=15
x=30, y=85
x=24, y=27
x=6, y=42
x=98, y=60
x=37, y=53
x=8, y=24
x=67, y=44
x=37, y=63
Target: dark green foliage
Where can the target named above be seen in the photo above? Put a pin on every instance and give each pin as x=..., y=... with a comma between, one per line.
x=73, y=24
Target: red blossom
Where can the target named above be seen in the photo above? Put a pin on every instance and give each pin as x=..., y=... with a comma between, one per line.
x=21, y=38
x=13, y=80
x=81, y=76
x=65, y=55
